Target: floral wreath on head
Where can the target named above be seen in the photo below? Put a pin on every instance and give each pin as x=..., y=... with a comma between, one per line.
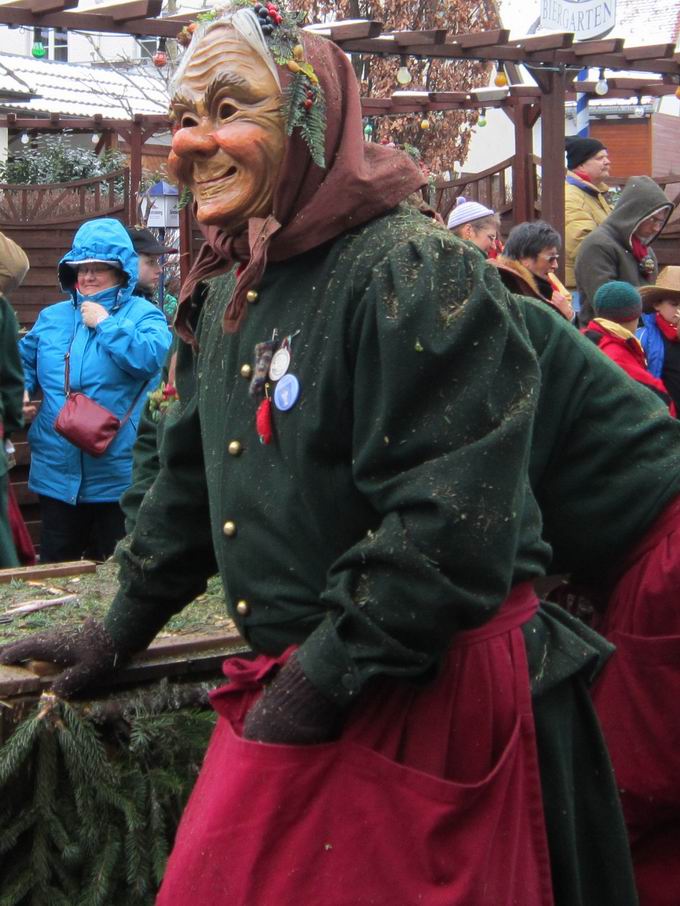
x=305, y=107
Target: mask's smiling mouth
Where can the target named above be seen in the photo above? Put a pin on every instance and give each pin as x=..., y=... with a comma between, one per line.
x=207, y=188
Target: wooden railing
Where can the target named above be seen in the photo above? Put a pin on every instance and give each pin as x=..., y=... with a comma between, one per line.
x=67, y=202
x=492, y=188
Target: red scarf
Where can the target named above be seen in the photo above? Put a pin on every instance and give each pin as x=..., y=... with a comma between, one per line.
x=311, y=206
x=670, y=332
x=583, y=176
x=638, y=248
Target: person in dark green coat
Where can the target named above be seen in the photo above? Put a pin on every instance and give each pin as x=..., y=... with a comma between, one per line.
x=351, y=451
x=13, y=269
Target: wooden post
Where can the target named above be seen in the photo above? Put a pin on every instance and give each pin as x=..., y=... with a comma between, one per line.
x=136, y=141
x=523, y=188
x=553, y=87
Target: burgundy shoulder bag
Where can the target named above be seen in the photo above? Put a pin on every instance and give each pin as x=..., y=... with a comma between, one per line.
x=86, y=424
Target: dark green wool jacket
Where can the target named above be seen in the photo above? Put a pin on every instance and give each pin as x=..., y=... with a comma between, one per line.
x=11, y=416
x=392, y=507
x=11, y=377
x=605, y=459
x=145, y=459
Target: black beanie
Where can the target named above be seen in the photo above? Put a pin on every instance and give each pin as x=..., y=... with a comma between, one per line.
x=579, y=150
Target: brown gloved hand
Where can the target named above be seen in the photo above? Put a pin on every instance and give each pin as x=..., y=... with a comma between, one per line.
x=89, y=653
x=292, y=712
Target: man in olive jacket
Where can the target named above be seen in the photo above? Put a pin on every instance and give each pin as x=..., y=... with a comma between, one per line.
x=585, y=202
x=620, y=248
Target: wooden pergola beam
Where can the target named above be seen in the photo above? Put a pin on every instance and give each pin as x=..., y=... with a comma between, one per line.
x=91, y=21
x=621, y=88
x=40, y=7
x=84, y=124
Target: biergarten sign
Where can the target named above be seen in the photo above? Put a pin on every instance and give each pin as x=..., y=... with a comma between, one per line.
x=586, y=18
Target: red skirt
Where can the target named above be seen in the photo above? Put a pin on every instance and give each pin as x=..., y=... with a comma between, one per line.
x=431, y=796
x=636, y=698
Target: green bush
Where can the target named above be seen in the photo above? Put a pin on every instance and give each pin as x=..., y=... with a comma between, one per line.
x=54, y=158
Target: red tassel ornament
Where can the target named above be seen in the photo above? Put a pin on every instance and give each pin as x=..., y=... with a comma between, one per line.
x=263, y=421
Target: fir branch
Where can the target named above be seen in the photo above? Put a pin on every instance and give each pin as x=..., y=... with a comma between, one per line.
x=18, y=748
x=10, y=834
x=98, y=892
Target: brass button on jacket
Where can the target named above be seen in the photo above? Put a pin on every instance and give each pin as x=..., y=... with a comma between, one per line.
x=229, y=528
x=235, y=448
x=243, y=608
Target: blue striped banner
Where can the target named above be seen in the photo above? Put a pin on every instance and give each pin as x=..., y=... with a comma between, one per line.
x=582, y=107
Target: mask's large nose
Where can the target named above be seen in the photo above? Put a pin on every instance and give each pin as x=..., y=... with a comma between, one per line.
x=193, y=142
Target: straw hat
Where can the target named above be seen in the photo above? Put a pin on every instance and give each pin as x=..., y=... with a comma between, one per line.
x=667, y=286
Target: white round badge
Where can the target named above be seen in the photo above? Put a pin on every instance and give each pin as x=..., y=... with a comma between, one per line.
x=279, y=363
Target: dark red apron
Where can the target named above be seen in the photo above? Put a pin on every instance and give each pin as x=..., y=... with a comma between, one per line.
x=636, y=698
x=432, y=796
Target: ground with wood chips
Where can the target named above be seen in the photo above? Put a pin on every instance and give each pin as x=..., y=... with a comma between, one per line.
x=89, y=595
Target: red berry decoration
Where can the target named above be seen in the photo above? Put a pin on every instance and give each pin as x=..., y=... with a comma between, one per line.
x=307, y=103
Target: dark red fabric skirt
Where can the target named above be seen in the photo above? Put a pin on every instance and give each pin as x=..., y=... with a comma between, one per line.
x=22, y=539
x=636, y=698
x=431, y=796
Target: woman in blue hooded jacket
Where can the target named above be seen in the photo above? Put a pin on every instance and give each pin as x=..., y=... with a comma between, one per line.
x=117, y=343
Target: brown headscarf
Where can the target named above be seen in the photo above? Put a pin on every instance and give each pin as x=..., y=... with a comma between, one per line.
x=311, y=205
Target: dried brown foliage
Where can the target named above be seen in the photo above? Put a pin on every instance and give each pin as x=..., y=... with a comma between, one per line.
x=442, y=143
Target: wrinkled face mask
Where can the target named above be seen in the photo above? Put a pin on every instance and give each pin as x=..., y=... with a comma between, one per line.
x=230, y=139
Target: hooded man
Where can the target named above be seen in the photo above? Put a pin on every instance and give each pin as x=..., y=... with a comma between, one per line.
x=585, y=202
x=358, y=473
x=620, y=248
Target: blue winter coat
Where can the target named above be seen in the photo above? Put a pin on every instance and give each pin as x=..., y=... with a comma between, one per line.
x=110, y=363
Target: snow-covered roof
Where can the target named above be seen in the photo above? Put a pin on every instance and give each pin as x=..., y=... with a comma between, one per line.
x=79, y=89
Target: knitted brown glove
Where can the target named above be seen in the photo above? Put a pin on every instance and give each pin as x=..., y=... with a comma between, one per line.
x=88, y=652
x=291, y=711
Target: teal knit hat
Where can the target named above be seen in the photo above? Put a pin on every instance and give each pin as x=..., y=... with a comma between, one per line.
x=617, y=301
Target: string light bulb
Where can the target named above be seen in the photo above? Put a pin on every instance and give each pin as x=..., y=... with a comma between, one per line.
x=160, y=58
x=25, y=139
x=425, y=125
x=38, y=50
x=501, y=79
x=639, y=109
x=368, y=132
x=404, y=77
x=602, y=85
x=481, y=122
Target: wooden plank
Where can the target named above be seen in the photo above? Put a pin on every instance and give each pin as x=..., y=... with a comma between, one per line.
x=431, y=36
x=349, y=30
x=649, y=52
x=44, y=6
x=535, y=43
x=176, y=656
x=47, y=571
x=162, y=28
x=593, y=48
x=482, y=38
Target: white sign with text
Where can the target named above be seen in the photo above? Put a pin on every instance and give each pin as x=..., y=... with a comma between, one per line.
x=586, y=18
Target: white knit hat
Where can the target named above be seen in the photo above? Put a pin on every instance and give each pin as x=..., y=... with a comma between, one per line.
x=466, y=211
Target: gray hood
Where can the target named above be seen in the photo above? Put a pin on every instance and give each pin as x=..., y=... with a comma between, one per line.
x=640, y=198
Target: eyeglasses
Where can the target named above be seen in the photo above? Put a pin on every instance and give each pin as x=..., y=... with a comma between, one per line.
x=93, y=268
x=552, y=259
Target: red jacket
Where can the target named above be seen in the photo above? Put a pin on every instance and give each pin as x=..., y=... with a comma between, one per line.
x=629, y=355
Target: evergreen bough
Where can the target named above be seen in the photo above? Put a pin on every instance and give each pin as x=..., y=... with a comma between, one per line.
x=91, y=795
